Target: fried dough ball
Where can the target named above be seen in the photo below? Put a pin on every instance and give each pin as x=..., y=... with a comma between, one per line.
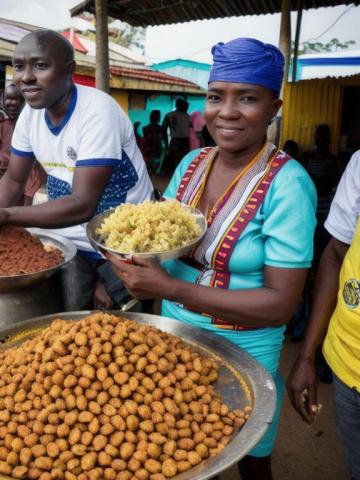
x=108, y=398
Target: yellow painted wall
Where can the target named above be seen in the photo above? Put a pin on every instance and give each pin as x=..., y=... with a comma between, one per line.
x=122, y=98
x=308, y=104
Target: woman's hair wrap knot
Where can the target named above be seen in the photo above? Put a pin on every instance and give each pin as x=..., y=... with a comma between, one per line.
x=247, y=60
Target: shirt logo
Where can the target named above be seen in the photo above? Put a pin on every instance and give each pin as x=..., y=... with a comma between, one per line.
x=71, y=153
x=351, y=293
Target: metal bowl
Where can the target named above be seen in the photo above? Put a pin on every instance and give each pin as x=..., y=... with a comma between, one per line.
x=242, y=381
x=98, y=242
x=14, y=283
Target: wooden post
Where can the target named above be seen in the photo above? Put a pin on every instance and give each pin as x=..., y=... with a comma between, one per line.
x=285, y=35
x=274, y=130
x=297, y=38
x=102, y=46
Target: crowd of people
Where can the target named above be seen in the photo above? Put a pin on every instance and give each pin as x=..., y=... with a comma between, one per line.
x=164, y=144
x=245, y=279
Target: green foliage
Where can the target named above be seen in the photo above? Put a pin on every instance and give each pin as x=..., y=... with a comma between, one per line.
x=317, y=47
x=126, y=35
x=119, y=32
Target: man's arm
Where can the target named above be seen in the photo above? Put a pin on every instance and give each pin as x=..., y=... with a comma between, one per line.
x=88, y=185
x=303, y=375
x=13, y=182
x=165, y=126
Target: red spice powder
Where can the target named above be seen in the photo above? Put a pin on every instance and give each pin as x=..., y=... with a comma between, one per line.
x=21, y=252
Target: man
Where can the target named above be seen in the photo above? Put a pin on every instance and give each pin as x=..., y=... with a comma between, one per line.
x=86, y=144
x=336, y=316
x=13, y=103
x=179, y=123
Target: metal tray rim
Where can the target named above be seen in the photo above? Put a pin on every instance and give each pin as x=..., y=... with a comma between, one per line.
x=253, y=373
x=161, y=256
x=13, y=283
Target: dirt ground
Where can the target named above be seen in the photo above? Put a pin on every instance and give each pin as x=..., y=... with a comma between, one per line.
x=301, y=452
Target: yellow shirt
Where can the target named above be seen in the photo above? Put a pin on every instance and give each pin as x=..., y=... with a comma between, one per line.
x=342, y=343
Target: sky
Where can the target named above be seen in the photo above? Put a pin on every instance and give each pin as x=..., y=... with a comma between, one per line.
x=194, y=40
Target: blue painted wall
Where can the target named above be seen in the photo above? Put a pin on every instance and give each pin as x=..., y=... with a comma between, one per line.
x=165, y=103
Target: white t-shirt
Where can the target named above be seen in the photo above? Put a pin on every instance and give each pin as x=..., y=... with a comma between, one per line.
x=345, y=207
x=94, y=132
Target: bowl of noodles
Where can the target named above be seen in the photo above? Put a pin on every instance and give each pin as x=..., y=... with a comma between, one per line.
x=162, y=230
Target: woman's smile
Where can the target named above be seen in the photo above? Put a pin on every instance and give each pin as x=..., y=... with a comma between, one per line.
x=228, y=131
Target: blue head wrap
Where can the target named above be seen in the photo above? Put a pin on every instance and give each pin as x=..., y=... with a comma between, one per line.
x=246, y=60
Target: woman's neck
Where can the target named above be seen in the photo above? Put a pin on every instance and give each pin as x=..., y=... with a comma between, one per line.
x=239, y=159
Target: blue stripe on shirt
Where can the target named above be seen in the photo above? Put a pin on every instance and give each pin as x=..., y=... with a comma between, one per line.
x=90, y=255
x=98, y=162
x=20, y=153
x=57, y=129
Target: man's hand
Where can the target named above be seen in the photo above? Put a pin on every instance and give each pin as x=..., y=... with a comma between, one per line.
x=302, y=388
x=4, y=216
x=101, y=298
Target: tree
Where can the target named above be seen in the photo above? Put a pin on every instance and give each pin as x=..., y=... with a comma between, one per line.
x=119, y=32
x=126, y=35
x=317, y=47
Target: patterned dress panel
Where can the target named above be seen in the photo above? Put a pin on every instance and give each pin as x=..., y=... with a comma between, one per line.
x=124, y=177
x=57, y=188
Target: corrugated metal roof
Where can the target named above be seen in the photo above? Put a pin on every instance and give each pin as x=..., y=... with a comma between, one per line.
x=12, y=33
x=184, y=62
x=328, y=64
x=153, y=76
x=160, y=12
x=76, y=42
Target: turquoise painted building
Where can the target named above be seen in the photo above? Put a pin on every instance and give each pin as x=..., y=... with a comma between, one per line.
x=195, y=72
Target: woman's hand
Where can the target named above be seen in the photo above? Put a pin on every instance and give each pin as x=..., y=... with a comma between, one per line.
x=143, y=278
x=302, y=388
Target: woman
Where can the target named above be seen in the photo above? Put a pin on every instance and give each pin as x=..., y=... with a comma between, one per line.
x=196, y=139
x=244, y=280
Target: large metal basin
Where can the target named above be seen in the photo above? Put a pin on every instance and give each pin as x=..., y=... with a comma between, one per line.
x=14, y=283
x=242, y=381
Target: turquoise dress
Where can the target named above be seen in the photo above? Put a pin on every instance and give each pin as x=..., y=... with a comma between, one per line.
x=280, y=235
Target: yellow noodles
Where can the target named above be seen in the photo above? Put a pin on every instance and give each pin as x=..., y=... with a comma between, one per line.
x=149, y=227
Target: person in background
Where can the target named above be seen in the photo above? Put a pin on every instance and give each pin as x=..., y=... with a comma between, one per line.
x=298, y=322
x=2, y=112
x=137, y=134
x=291, y=148
x=208, y=140
x=244, y=279
x=335, y=316
x=13, y=103
x=197, y=124
x=179, y=124
x=152, y=141
x=320, y=163
x=86, y=144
